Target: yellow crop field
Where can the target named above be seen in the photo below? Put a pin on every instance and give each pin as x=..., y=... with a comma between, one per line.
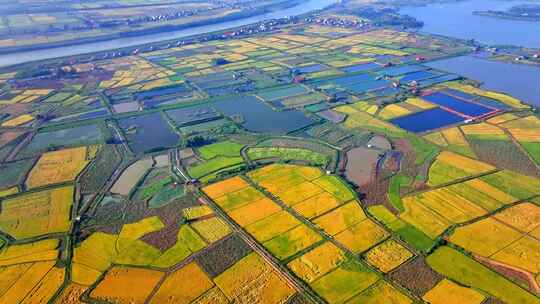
x=192, y=213
x=267, y=288
x=381, y=293
x=502, y=118
x=341, y=218
x=19, y=120
x=10, y=274
x=388, y=255
x=134, y=231
x=309, y=173
x=292, y=241
x=360, y=237
x=486, y=189
x=212, y=229
x=437, y=138
x=420, y=103
x=71, y=294
x=255, y=211
x=529, y=122
x=526, y=135
x=9, y=191
x=57, y=167
x=238, y=198
x=316, y=205
x=393, y=111
x=448, y=292
x=450, y=205
x=46, y=250
x=239, y=276
x=423, y=218
x=221, y=188
x=317, y=262
x=344, y=282
x=484, y=130
x=188, y=242
x=214, y=295
x=299, y=193
x=97, y=251
x=454, y=137
x=449, y=166
x=485, y=237
x=272, y=225
x=24, y=282
x=183, y=285
x=84, y=275
x=126, y=285
x=524, y=217
x=524, y=254
x=33, y=214
x=47, y=287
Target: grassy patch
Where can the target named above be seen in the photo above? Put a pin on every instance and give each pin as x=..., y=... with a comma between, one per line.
x=396, y=183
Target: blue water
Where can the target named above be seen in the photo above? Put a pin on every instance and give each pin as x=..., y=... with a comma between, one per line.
x=152, y=132
x=259, y=117
x=311, y=68
x=455, y=19
x=518, y=80
x=361, y=67
x=427, y=120
x=415, y=76
x=458, y=105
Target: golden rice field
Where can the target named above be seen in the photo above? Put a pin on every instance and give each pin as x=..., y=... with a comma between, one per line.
x=212, y=229
x=317, y=262
x=38, y=213
x=19, y=120
x=449, y=292
x=30, y=283
x=183, y=285
x=449, y=166
x=505, y=237
x=46, y=250
x=193, y=213
x=381, y=292
x=243, y=280
x=58, y=167
x=388, y=255
x=126, y=285
x=393, y=111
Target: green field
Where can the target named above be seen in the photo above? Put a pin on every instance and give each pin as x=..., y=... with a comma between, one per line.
x=462, y=269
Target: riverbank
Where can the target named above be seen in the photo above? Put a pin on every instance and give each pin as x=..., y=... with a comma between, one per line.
x=16, y=60
x=155, y=30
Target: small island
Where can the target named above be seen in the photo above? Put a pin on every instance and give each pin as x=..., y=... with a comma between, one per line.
x=525, y=12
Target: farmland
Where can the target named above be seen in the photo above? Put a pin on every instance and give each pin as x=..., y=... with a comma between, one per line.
x=312, y=159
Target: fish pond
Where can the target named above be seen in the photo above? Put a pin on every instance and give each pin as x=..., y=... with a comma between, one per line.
x=256, y=116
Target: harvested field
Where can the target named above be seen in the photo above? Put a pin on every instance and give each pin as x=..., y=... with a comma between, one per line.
x=416, y=276
x=222, y=255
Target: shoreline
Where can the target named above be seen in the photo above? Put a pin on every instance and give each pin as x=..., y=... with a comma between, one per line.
x=6, y=65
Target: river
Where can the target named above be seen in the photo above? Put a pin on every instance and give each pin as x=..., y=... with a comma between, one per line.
x=455, y=19
x=84, y=48
x=518, y=80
